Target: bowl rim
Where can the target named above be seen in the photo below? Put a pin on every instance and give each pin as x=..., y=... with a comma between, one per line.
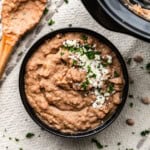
x=31, y=112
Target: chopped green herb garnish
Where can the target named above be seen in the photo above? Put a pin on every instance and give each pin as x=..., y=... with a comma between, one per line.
x=93, y=75
x=131, y=96
x=90, y=54
x=131, y=104
x=98, y=144
x=66, y=1
x=20, y=53
x=129, y=61
x=110, y=88
x=74, y=62
x=148, y=67
x=87, y=46
x=85, y=84
x=99, y=89
x=84, y=37
x=16, y=139
x=72, y=49
x=105, y=64
x=30, y=135
x=20, y=148
x=46, y=11
x=145, y=132
x=116, y=74
x=51, y=22
x=81, y=51
x=89, y=69
x=131, y=81
x=10, y=138
x=62, y=53
x=70, y=25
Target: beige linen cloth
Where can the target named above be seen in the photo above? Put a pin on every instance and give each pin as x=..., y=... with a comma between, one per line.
x=16, y=123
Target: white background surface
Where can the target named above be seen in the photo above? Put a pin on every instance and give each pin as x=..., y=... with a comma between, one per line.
x=17, y=122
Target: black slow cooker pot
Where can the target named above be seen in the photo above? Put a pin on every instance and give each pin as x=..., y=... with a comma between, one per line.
x=115, y=16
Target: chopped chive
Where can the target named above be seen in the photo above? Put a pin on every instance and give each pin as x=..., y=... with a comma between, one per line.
x=148, y=67
x=51, y=22
x=46, y=11
x=89, y=69
x=62, y=53
x=20, y=53
x=110, y=88
x=84, y=37
x=10, y=138
x=90, y=54
x=74, y=62
x=93, y=75
x=85, y=84
x=16, y=139
x=70, y=25
x=129, y=61
x=131, y=104
x=30, y=135
x=66, y=1
x=116, y=74
x=99, y=89
x=98, y=144
x=145, y=132
x=131, y=96
x=104, y=64
x=87, y=46
x=72, y=49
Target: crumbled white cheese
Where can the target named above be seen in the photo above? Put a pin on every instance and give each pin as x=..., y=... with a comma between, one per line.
x=70, y=43
x=106, y=94
x=109, y=59
x=96, y=68
x=100, y=99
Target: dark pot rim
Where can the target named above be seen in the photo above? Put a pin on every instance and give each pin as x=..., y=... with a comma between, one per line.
x=31, y=111
x=118, y=18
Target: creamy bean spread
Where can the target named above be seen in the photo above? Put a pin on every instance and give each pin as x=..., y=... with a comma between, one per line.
x=144, y=13
x=19, y=16
x=73, y=82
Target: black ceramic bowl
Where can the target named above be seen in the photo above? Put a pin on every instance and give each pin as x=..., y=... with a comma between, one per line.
x=31, y=112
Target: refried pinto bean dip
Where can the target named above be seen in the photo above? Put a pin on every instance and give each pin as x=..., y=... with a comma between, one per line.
x=73, y=81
